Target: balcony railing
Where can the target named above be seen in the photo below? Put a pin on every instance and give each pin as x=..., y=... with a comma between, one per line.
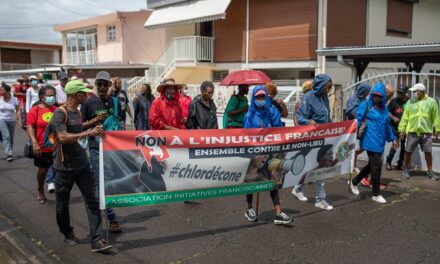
x=17, y=66
x=191, y=49
x=81, y=57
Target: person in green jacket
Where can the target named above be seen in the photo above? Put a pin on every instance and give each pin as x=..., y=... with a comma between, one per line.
x=420, y=119
x=236, y=109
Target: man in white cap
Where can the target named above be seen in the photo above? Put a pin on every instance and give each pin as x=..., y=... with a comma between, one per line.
x=61, y=95
x=419, y=120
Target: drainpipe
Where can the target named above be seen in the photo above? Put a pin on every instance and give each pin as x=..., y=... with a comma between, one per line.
x=247, y=33
x=345, y=63
x=322, y=35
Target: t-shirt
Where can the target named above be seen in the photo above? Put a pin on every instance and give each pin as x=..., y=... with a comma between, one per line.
x=39, y=118
x=20, y=88
x=7, y=109
x=31, y=98
x=75, y=157
x=123, y=100
x=92, y=107
x=236, y=102
x=61, y=95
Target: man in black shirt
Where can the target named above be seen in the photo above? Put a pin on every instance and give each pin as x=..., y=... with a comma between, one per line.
x=122, y=97
x=100, y=107
x=71, y=166
x=395, y=109
x=202, y=110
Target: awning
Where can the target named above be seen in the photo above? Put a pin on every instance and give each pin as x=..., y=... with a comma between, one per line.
x=189, y=12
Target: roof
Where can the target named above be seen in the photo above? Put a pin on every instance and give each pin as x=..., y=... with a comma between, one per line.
x=97, y=20
x=30, y=44
x=188, y=12
x=427, y=52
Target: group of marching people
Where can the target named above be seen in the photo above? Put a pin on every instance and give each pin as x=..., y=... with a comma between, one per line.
x=80, y=116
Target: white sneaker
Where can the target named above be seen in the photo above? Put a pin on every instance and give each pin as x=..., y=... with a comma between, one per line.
x=323, y=204
x=51, y=187
x=354, y=189
x=379, y=199
x=299, y=195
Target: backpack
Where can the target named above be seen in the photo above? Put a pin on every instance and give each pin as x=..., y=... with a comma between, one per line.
x=50, y=136
x=111, y=123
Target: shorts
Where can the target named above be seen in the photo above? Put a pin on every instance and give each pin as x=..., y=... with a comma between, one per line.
x=425, y=141
x=44, y=161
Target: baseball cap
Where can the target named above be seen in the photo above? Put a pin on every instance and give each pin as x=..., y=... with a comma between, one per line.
x=75, y=87
x=62, y=76
x=103, y=75
x=418, y=87
x=260, y=92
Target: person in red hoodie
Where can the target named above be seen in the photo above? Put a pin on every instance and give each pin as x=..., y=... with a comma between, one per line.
x=185, y=101
x=165, y=112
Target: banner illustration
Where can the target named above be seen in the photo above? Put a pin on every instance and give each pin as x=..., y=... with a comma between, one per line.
x=154, y=167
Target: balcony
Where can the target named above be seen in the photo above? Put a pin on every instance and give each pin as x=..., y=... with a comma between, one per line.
x=17, y=66
x=81, y=57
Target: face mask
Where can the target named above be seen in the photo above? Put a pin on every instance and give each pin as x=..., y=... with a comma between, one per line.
x=169, y=95
x=50, y=100
x=185, y=92
x=260, y=103
x=34, y=82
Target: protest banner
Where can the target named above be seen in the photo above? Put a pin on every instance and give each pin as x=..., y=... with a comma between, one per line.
x=163, y=166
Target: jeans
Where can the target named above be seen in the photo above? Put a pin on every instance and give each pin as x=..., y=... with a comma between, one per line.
x=319, y=190
x=50, y=176
x=7, y=129
x=374, y=167
x=94, y=162
x=83, y=178
x=390, y=156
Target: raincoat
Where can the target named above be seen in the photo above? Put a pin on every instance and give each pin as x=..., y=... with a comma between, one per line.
x=265, y=117
x=354, y=100
x=164, y=112
x=420, y=116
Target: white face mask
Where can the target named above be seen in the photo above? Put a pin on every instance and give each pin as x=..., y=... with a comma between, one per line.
x=185, y=92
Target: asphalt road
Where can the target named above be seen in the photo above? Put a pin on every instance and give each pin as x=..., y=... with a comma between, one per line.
x=405, y=230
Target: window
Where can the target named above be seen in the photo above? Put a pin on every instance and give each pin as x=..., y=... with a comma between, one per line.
x=111, y=33
x=399, y=18
x=218, y=76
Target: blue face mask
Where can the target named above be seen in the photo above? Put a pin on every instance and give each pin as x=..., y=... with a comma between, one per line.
x=50, y=100
x=34, y=82
x=260, y=103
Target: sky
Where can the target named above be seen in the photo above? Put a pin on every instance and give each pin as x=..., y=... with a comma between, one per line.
x=33, y=20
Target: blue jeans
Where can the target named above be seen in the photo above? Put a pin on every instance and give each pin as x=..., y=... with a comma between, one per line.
x=50, y=176
x=94, y=162
x=319, y=190
x=83, y=178
x=7, y=129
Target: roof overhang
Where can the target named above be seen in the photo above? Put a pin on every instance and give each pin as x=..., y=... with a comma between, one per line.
x=189, y=12
x=102, y=66
x=397, y=53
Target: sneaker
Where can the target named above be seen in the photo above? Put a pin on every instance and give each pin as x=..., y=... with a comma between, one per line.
x=115, y=227
x=379, y=199
x=355, y=170
x=251, y=215
x=299, y=195
x=51, y=187
x=365, y=182
x=432, y=175
x=405, y=174
x=10, y=158
x=382, y=186
x=70, y=239
x=354, y=189
x=101, y=246
x=323, y=204
x=282, y=219
x=389, y=167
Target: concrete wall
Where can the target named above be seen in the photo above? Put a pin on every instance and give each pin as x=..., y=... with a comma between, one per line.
x=426, y=18
x=180, y=31
x=109, y=51
x=141, y=45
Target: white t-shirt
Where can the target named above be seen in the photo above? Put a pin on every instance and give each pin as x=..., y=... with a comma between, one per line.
x=31, y=98
x=7, y=109
x=61, y=95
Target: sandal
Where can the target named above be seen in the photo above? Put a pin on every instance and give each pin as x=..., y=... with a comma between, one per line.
x=41, y=198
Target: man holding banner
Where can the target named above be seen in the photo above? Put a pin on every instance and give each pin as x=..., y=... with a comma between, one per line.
x=314, y=110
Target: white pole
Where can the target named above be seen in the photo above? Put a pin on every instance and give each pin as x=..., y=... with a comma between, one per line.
x=247, y=33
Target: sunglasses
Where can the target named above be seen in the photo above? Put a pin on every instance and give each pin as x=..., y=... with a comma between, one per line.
x=102, y=83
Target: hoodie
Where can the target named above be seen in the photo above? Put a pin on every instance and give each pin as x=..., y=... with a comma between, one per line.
x=164, y=112
x=315, y=105
x=378, y=130
x=265, y=117
x=354, y=100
